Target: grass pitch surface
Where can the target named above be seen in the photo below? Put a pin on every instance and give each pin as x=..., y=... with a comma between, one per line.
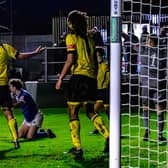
x=49, y=153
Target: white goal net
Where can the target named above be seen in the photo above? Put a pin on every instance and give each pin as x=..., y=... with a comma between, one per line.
x=144, y=119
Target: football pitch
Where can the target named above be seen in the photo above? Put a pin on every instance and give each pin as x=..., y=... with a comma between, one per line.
x=49, y=152
x=138, y=153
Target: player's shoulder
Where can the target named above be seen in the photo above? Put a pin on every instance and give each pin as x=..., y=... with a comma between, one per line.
x=70, y=35
x=70, y=38
x=24, y=92
x=8, y=48
x=6, y=45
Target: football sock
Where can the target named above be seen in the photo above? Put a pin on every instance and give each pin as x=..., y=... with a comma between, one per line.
x=160, y=123
x=146, y=119
x=100, y=126
x=13, y=128
x=75, y=133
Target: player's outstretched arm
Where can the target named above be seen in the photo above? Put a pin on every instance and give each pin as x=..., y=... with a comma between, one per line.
x=26, y=55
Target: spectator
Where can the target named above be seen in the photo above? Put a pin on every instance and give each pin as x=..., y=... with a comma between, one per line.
x=130, y=49
x=144, y=35
x=97, y=36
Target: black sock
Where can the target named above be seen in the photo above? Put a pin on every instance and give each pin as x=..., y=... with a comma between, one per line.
x=160, y=124
x=146, y=119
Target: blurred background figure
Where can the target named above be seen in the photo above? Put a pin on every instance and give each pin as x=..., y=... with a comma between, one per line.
x=144, y=35
x=97, y=36
x=130, y=51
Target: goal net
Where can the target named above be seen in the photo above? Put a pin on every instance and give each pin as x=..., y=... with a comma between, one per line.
x=144, y=84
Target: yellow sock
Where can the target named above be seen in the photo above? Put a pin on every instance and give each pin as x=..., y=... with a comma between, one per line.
x=100, y=126
x=75, y=133
x=13, y=128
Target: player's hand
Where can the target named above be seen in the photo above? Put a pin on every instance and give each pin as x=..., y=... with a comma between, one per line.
x=58, y=84
x=39, y=50
x=21, y=100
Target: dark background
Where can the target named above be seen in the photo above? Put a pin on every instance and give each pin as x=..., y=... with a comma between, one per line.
x=35, y=16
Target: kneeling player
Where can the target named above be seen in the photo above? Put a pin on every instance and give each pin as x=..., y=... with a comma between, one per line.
x=32, y=116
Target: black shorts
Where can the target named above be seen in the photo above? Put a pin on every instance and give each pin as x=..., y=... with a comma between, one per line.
x=153, y=96
x=82, y=89
x=103, y=94
x=5, y=97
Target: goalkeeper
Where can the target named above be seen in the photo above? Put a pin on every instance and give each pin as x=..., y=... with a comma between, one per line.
x=33, y=118
x=153, y=84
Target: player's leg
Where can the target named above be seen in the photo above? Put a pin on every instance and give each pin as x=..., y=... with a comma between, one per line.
x=74, y=125
x=146, y=122
x=106, y=101
x=107, y=110
x=7, y=111
x=161, y=109
x=23, y=130
x=98, y=123
x=160, y=113
x=102, y=102
x=12, y=123
x=31, y=132
x=97, y=107
x=35, y=124
x=144, y=94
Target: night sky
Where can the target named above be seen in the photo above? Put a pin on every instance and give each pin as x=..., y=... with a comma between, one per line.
x=35, y=16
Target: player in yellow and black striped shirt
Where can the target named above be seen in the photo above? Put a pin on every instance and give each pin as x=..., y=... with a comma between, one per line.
x=7, y=51
x=103, y=82
x=82, y=62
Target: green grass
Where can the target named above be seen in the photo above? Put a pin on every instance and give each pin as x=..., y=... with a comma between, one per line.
x=48, y=153
x=137, y=153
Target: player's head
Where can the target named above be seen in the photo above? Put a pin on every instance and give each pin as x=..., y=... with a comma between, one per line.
x=163, y=31
x=144, y=28
x=15, y=84
x=152, y=40
x=77, y=22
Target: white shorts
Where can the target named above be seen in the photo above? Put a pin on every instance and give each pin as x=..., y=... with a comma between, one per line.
x=37, y=121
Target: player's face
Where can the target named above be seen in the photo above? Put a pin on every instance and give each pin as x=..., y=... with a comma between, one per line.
x=12, y=89
x=149, y=42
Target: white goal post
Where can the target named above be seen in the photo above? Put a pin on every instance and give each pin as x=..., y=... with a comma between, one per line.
x=115, y=38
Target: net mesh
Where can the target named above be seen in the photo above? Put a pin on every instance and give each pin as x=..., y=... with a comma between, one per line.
x=144, y=84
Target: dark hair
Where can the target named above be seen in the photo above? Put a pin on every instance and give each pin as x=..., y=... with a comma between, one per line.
x=16, y=83
x=79, y=22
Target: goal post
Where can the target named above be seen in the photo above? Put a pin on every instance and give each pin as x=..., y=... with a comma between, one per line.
x=115, y=52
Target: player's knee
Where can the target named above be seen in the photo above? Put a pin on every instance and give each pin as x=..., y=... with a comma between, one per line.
x=73, y=118
x=29, y=137
x=7, y=110
x=90, y=115
x=8, y=113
